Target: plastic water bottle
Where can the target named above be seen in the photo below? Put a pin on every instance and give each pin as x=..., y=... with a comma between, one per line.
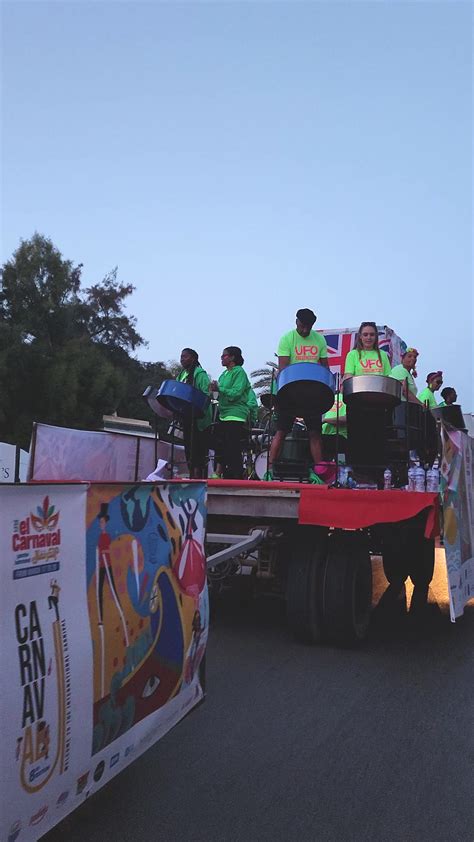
x=432, y=477
x=350, y=482
x=419, y=478
x=411, y=478
x=387, y=479
x=342, y=474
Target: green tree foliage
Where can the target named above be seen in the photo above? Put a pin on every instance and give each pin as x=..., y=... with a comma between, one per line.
x=65, y=351
x=262, y=377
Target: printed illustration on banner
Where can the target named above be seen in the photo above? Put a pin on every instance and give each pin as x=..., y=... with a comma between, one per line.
x=147, y=599
x=36, y=541
x=42, y=744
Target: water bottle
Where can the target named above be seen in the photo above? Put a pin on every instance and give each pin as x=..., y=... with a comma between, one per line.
x=342, y=474
x=411, y=478
x=419, y=478
x=350, y=482
x=387, y=479
x=432, y=477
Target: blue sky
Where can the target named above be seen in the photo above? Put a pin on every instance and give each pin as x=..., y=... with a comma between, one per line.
x=238, y=161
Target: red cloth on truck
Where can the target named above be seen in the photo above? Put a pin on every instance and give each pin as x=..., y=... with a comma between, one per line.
x=354, y=509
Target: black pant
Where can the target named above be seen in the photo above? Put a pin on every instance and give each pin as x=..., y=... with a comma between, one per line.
x=196, y=455
x=230, y=448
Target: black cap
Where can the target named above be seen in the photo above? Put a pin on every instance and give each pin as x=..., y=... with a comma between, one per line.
x=306, y=317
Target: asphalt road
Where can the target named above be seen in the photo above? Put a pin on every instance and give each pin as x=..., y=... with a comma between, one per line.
x=309, y=743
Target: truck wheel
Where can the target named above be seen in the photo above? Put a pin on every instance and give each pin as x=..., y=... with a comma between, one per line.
x=346, y=588
x=306, y=558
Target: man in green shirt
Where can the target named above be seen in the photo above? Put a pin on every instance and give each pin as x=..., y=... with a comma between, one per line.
x=449, y=396
x=300, y=345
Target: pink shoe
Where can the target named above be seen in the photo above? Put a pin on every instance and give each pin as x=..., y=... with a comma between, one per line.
x=326, y=471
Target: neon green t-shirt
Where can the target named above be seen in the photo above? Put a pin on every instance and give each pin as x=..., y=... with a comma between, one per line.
x=329, y=429
x=367, y=363
x=427, y=395
x=303, y=349
x=399, y=372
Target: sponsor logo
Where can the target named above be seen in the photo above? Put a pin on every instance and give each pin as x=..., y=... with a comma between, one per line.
x=306, y=351
x=82, y=783
x=129, y=750
x=36, y=541
x=99, y=771
x=370, y=364
x=39, y=816
x=62, y=798
x=114, y=759
x=14, y=831
x=42, y=746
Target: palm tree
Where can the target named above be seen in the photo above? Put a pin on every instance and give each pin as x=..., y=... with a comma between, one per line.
x=265, y=376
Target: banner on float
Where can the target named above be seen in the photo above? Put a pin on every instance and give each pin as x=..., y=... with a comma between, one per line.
x=457, y=481
x=61, y=454
x=104, y=623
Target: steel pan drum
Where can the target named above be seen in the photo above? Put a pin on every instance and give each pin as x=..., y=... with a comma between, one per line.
x=151, y=396
x=451, y=414
x=183, y=399
x=367, y=390
x=305, y=389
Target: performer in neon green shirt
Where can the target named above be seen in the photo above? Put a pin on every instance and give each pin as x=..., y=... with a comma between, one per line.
x=406, y=372
x=366, y=430
x=300, y=345
x=233, y=387
x=195, y=435
x=449, y=396
x=434, y=381
x=330, y=418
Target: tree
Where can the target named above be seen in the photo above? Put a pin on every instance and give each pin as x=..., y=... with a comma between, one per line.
x=64, y=351
x=264, y=376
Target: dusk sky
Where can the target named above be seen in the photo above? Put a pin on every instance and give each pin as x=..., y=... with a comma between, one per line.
x=240, y=160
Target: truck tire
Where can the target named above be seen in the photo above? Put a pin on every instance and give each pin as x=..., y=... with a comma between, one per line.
x=306, y=559
x=346, y=588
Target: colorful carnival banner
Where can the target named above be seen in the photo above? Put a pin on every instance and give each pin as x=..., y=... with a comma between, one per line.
x=457, y=488
x=104, y=623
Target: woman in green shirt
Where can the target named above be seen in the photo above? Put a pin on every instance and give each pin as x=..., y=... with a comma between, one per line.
x=233, y=387
x=406, y=372
x=195, y=432
x=366, y=425
x=367, y=357
x=434, y=381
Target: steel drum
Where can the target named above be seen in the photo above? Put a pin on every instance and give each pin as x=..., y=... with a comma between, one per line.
x=182, y=399
x=372, y=390
x=451, y=414
x=150, y=395
x=305, y=389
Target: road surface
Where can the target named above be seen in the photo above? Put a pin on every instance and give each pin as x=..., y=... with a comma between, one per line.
x=315, y=744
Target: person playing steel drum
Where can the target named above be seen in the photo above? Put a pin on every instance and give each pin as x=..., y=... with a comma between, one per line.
x=195, y=431
x=300, y=345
